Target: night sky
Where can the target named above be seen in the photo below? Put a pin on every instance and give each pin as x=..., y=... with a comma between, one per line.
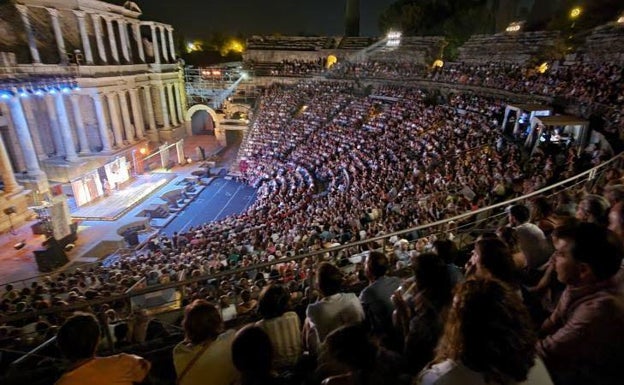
x=198, y=18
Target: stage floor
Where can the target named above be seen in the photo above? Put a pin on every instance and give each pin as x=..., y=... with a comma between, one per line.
x=120, y=201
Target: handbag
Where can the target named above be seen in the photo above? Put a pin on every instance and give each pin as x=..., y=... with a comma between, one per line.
x=191, y=363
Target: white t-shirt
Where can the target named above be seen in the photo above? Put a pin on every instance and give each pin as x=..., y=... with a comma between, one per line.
x=334, y=311
x=450, y=372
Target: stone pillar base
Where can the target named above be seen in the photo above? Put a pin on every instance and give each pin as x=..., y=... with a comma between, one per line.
x=20, y=201
x=166, y=135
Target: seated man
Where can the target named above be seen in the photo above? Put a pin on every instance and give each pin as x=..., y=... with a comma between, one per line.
x=334, y=310
x=583, y=339
x=78, y=339
x=375, y=297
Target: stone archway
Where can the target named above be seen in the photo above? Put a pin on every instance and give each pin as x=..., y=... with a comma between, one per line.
x=203, y=120
x=216, y=120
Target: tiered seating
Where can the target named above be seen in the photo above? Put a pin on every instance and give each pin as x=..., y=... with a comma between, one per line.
x=605, y=44
x=413, y=49
x=355, y=42
x=289, y=43
x=506, y=47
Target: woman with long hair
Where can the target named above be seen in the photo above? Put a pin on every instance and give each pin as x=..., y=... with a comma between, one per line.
x=487, y=339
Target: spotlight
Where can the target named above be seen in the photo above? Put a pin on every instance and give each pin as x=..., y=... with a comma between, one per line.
x=23, y=93
x=39, y=92
x=4, y=94
x=75, y=86
x=65, y=89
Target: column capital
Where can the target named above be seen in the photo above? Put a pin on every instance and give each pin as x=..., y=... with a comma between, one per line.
x=53, y=12
x=21, y=8
x=79, y=13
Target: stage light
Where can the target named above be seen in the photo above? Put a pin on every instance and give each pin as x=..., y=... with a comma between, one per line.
x=575, y=12
x=542, y=68
x=23, y=93
x=514, y=26
x=4, y=94
x=143, y=150
x=65, y=89
x=38, y=92
x=438, y=64
x=621, y=20
x=75, y=86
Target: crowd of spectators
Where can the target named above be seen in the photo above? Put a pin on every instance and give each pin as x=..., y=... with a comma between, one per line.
x=334, y=165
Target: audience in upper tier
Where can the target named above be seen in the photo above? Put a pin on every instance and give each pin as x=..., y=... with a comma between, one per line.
x=540, y=300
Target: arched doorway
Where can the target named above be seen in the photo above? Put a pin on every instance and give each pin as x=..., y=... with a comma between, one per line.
x=203, y=120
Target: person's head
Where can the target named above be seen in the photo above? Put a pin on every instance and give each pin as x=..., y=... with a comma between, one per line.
x=492, y=258
x=351, y=346
x=488, y=329
x=376, y=265
x=593, y=208
x=509, y=235
x=446, y=249
x=202, y=322
x=586, y=253
x=252, y=352
x=518, y=214
x=78, y=337
x=616, y=219
x=432, y=278
x=274, y=301
x=329, y=279
x=540, y=208
x=614, y=193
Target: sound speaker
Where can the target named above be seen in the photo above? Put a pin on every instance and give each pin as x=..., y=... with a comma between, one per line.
x=10, y=210
x=50, y=258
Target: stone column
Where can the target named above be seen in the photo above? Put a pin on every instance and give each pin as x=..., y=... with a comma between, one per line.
x=98, y=36
x=151, y=119
x=23, y=136
x=172, y=107
x=86, y=45
x=32, y=42
x=6, y=170
x=178, y=96
x=113, y=107
x=58, y=34
x=27, y=105
x=123, y=39
x=139, y=124
x=55, y=128
x=125, y=115
x=136, y=31
x=171, y=45
x=80, y=127
x=163, y=40
x=111, y=38
x=163, y=106
x=102, y=126
x=155, y=44
x=66, y=134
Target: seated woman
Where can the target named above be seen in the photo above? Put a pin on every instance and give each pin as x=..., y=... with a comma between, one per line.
x=420, y=315
x=498, y=348
x=282, y=326
x=205, y=355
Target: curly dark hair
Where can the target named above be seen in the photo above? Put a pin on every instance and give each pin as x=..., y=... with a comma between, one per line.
x=488, y=329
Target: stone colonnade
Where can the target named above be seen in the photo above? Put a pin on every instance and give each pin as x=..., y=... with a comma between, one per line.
x=109, y=29
x=86, y=123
